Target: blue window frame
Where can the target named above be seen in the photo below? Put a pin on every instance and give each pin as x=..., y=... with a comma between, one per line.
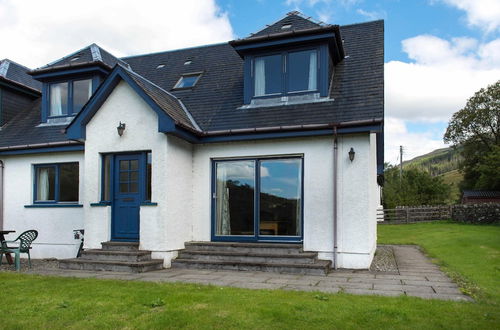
x=285, y=73
x=68, y=97
x=258, y=199
x=65, y=97
x=289, y=72
x=108, y=171
x=56, y=183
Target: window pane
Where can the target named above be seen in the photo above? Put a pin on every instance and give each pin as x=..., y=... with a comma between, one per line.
x=82, y=90
x=124, y=177
x=124, y=187
x=107, y=178
x=187, y=81
x=46, y=182
x=148, y=178
x=302, y=71
x=267, y=75
x=68, y=182
x=124, y=165
x=134, y=164
x=235, y=187
x=134, y=187
x=58, y=99
x=280, y=197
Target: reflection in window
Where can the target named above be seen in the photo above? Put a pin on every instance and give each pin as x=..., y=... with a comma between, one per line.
x=188, y=80
x=280, y=197
x=302, y=71
x=268, y=75
x=106, y=178
x=82, y=91
x=235, y=186
x=148, y=178
x=57, y=182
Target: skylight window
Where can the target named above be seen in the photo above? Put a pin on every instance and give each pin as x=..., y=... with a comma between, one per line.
x=188, y=62
x=286, y=26
x=187, y=80
x=76, y=58
x=160, y=66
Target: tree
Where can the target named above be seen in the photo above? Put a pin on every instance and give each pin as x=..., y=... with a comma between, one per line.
x=476, y=129
x=416, y=187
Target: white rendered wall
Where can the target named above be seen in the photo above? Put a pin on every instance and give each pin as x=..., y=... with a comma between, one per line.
x=163, y=228
x=356, y=195
x=55, y=225
x=357, y=201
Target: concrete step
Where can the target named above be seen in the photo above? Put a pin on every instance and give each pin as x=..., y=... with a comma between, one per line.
x=320, y=267
x=115, y=266
x=252, y=257
x=120, y=246
x=110, y=255
x=265, y=248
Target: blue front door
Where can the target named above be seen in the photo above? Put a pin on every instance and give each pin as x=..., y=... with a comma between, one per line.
x=128, y=187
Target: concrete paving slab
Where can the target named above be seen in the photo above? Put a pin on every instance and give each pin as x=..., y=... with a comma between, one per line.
x=416, y=276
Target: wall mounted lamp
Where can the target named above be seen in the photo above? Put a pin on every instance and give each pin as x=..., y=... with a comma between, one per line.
x=352, y=153
x=120, y=128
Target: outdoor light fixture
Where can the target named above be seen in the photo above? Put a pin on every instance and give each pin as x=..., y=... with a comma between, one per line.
x=351, y=154
x=120, y=128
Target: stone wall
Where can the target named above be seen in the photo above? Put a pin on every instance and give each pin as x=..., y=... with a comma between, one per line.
x=485, y=213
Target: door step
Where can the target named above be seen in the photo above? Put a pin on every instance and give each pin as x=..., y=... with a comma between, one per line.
x=268, y=257
x=114, y=256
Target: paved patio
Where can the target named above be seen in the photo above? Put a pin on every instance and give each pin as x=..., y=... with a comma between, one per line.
x=415, y=276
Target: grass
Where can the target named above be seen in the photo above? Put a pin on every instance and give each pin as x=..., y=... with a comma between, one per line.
x=468, y=253
x=30, y=301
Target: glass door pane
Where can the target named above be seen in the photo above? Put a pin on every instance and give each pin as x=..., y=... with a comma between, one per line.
x=280, y=197
x=234, y=193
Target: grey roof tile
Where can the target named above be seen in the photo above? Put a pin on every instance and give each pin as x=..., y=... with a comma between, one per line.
x=17, y=73
x=295, y=19
x=92, y=54
x=214, y=102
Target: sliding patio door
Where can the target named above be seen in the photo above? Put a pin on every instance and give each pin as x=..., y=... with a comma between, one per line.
x=257, y=199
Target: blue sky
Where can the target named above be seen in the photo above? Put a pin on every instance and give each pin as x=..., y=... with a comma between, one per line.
x=437, y=52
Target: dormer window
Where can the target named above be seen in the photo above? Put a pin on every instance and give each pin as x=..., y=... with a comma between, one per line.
x=68, y=98
x=286, y=73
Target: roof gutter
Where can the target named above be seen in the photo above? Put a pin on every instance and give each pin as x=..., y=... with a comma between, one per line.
x=40, y=145
x=292, y=127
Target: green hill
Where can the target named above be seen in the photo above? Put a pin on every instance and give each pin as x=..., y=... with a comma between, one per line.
x=441, y=162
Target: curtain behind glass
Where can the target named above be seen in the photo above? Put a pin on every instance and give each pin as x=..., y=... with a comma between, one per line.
x=224, y=223
x=45, y=184
x=56, y=100
x=313, y=66
x=260, y=77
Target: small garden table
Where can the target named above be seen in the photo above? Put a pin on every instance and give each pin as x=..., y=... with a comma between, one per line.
x=2, y=238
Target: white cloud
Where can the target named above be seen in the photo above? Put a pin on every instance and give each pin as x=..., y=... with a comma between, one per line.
x=484, y=14
x=414, y=144
x=442, y=76
x=36, y=32
x=372, y=15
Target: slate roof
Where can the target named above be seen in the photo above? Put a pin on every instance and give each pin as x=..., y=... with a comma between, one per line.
x=13, y=72
x=92, y=54
x=165, y=100
x=215, y=102
x=294, y=19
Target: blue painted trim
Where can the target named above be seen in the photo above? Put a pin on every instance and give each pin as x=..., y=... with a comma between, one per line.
x=149, y=204
x=256, y=237
x=57, y=174
x=79, y=147
x=272, y=43
x=52, y=205
x=323, y=71
x=76, y=130
x=100, y=204
x=70, y=106
x=70, y=72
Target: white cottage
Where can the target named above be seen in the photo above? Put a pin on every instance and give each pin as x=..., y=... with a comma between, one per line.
x=236, y=155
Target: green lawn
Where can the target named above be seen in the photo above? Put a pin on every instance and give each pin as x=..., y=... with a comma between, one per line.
x=471, y=251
